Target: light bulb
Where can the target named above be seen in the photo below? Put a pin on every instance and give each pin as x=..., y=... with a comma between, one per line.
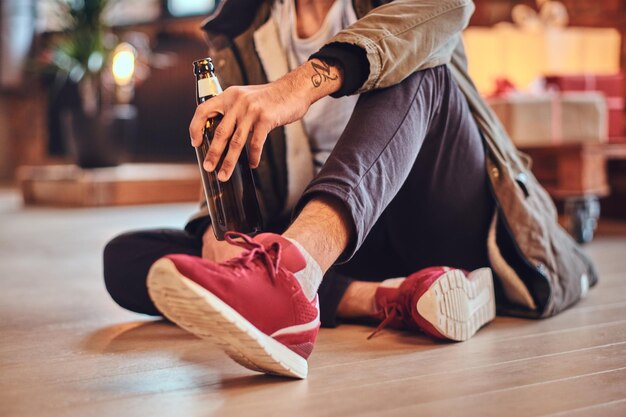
x=123, y=64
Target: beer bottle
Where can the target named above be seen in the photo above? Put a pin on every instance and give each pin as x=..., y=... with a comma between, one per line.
x=233, y=205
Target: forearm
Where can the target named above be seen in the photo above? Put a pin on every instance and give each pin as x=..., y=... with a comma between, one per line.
x=314, y=79
x=251, y=112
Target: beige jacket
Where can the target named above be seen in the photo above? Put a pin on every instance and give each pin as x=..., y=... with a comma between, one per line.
x=541, y=270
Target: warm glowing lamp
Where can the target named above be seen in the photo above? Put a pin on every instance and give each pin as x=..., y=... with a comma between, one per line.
x=123, y=68
x=123, y=64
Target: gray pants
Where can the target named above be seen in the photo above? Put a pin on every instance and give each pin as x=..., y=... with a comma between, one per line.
x=410, y=169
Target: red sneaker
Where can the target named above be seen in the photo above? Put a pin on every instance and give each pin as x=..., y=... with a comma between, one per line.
x=444, y=303
x=251, y=306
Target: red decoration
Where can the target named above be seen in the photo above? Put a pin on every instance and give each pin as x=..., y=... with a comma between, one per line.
x=612, y=86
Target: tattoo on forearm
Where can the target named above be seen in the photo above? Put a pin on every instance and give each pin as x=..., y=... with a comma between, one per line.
x=322, y=73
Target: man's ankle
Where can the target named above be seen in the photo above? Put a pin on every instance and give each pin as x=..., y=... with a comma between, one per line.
x=359, y=300
x=323, y=228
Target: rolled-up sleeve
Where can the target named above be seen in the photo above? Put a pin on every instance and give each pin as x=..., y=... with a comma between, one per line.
x=397, y=39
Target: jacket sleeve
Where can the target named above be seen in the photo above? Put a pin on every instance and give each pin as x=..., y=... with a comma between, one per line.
x=394, y=40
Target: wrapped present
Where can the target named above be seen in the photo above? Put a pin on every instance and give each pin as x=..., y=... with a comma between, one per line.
x=583, y=118
x=612, y=86
x=552, y=117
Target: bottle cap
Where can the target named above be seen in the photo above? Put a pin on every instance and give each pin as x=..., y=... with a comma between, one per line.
x=203, y=65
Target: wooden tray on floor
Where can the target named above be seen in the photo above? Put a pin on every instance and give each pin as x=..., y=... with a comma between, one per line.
x=69, y=185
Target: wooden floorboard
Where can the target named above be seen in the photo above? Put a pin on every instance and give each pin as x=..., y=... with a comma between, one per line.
x=615, y=408
x=67, y=350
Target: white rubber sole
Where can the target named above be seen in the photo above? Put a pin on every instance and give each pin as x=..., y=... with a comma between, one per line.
x=200, y=312
x=458, y=306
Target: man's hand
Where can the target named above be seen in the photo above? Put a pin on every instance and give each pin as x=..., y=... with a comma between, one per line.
x=253, y=111
x=217, y=251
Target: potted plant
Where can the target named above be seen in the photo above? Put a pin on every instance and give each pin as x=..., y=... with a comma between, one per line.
x=78, y=57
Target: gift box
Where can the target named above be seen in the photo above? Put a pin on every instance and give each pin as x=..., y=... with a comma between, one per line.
x=552, y=118
x=612, y=86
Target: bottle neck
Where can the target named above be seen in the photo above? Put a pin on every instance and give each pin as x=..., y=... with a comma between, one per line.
x=207, y=86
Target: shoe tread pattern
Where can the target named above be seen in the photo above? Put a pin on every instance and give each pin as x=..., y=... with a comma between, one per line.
x=462, y=305
x=183, y=302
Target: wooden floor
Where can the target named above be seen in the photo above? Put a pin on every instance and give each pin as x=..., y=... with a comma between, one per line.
x=67, y=350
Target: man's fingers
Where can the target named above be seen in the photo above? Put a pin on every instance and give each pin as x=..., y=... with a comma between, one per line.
x=255, y=147
x=222, y=134
x=235, y=147
x=204, y=111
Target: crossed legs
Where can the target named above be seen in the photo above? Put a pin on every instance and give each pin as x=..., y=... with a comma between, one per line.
x=404, y=189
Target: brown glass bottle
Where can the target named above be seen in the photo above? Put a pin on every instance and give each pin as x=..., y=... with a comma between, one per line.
x=233, y=205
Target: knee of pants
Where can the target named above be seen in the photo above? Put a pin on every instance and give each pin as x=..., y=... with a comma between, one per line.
x=125, y=275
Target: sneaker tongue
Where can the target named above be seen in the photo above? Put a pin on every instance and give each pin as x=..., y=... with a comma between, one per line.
x=291, y=258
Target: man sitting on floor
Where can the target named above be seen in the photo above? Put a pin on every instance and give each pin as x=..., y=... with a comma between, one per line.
x=360, y=119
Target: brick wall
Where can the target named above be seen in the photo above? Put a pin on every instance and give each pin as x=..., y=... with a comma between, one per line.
x=582, y=13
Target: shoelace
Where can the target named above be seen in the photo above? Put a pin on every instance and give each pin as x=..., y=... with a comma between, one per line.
x=392, y=311
x=254, y=251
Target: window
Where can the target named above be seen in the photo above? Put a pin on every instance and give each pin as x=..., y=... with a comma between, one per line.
x=180, y=8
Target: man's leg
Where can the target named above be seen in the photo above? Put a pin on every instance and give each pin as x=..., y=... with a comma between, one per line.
x=259, y=306
x=128, y=257
x=440, y=215
x=411, y=154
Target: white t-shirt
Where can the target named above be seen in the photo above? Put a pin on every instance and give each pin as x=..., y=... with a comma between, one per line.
x=328, y=117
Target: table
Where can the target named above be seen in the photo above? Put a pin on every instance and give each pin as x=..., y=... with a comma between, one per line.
x=576, y=173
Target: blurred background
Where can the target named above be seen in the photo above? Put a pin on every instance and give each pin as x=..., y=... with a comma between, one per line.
x=53, y=50
x=88, y=84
